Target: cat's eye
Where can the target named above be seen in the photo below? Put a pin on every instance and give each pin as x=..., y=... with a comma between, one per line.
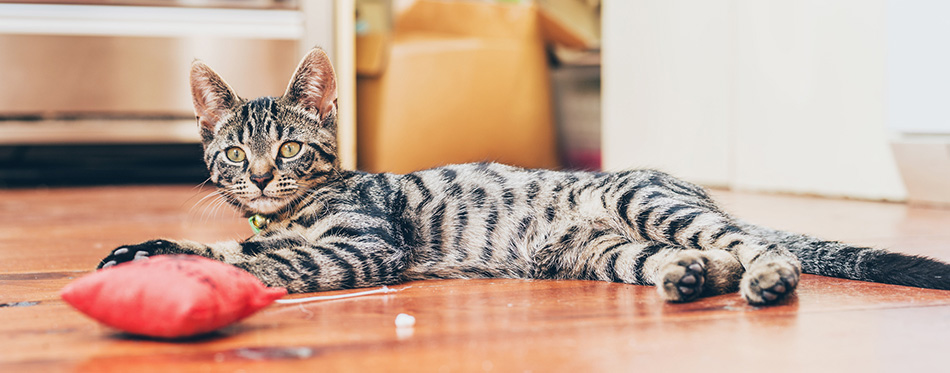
x=235, y=154
x=289, y=149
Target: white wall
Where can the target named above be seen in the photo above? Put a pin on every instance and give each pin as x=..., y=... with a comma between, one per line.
x=667, y=87
x=918, y=66
x=752, y=94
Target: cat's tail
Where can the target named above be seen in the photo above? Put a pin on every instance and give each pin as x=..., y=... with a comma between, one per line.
x=836, y=259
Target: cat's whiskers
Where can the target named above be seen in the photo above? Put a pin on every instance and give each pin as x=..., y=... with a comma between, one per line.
x=223, y=196
x=203, y=200
x=198, y=189
x=205, y=203
x=199, y=186
x=215, y=200
x=219, y=202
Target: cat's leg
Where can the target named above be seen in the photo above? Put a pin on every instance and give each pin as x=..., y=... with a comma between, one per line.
x=659, y=208
x=583, y=252
x=144, y=250
x=772, y=272
x=327, y=264
x=334, y=261
x=687, y=274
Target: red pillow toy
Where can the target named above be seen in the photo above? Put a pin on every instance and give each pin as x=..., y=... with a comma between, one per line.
x=169, y=296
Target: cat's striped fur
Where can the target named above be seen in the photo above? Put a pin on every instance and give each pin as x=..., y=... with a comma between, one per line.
x=332, y=229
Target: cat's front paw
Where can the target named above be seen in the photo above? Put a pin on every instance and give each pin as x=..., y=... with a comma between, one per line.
x=769, y=282
x=141, y=251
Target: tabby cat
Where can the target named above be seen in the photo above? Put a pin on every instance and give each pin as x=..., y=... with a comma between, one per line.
x=327, y=228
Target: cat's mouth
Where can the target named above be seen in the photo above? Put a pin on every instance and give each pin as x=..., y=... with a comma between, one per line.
x=266, y=205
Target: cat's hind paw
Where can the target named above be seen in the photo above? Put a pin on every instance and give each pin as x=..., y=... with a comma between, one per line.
x=682, y=279
x=130, y=253
x=769, y=283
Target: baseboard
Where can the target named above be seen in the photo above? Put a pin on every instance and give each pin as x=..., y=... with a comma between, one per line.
x=924, y=164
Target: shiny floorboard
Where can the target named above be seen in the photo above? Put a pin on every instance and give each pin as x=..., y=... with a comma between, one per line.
x=50, y=237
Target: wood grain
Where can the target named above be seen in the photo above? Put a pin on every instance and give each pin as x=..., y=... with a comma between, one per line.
x=50, y=237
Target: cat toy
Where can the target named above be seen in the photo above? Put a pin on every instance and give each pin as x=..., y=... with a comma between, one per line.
x=177, y=296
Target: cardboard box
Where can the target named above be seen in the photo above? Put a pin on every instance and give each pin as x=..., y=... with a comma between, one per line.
x=573, y=24
x=456, y=82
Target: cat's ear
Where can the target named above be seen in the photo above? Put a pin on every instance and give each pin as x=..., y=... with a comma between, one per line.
x=213, y=98
x=313, y=87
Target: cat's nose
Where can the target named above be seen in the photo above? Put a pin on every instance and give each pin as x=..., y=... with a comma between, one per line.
x=262, y=180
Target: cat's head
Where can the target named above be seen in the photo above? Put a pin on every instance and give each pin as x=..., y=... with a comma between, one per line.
x=265, y=153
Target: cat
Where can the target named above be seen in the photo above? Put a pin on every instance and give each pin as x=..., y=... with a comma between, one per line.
x=323, y=228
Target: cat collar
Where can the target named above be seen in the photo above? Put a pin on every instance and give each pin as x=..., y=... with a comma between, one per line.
x=257, y=222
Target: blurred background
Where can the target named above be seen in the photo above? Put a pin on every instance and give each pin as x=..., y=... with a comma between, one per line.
x=843, y=98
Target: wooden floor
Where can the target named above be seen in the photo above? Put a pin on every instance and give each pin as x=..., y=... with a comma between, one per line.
x=50, y=237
